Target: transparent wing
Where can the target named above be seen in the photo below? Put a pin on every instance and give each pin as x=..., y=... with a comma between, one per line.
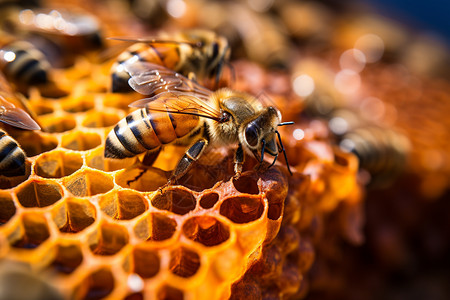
x=15, y=116
x=179, y=103
x=150, y=79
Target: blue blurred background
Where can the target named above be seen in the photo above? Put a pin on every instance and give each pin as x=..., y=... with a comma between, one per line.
x=431, y=15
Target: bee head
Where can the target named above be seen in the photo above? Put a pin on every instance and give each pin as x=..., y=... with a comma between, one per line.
x=260, y=135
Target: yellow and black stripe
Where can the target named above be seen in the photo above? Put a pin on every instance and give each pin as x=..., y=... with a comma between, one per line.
x=167, y=55
x=29, y=65
x=12, y=157
x=145, y=130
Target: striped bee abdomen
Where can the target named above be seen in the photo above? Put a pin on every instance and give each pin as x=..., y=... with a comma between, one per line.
x=382, y=152
x=145, y=130
x=29, y=65
x=12, y=157
x=160, y=54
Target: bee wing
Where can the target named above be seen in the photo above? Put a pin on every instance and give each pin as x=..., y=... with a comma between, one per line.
x=150, y=79
x=179, y=103
x=17, y=117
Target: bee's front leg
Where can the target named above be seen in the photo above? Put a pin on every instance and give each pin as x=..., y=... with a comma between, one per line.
x=185, y=163
x=238, y=162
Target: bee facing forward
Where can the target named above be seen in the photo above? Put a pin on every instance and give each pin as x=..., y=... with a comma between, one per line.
x=183, y=112
x=12, y=157
x=199, y=54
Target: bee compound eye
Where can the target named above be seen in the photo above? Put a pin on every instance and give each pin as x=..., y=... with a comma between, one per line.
x=251, y=135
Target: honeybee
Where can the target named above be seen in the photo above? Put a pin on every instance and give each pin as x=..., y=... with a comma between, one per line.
x=12, y=157
x=22, y=63
x=197, y=54
x=183, y=112
x=382, y=152
x=61, y=34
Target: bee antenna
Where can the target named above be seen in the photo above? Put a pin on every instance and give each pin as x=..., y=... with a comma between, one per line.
x=286, y=123
x=284, y=151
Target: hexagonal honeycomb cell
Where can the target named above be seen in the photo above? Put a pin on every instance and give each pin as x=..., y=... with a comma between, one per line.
x=57, y=164
x=39, y=193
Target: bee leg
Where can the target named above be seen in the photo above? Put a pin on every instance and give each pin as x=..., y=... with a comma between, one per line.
x=161, y=188
x=147, y=161
x=185, y=163
x=238, y=162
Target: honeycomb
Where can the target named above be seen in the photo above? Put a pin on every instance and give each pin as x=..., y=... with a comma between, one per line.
x=95, y=228
x=95, y=231
x=78, y=226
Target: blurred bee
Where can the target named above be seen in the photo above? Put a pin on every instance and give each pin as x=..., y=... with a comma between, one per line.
x=22, y=63
x=382, y=152
x=60, y=34
x=183, y=112
x=197, y=54
x=254, y=35
x=12, y=157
